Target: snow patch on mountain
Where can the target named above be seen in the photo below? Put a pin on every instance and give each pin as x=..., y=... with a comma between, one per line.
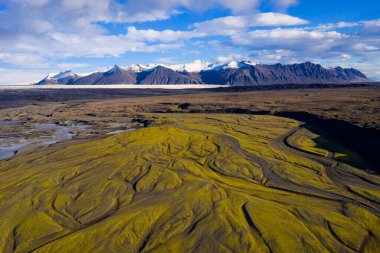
x=141, y=67
x=195, y=66
x=59, y=75
x=232, y=65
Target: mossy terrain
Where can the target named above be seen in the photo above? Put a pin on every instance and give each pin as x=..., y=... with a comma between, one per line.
x=191, y=183
x=319, y=144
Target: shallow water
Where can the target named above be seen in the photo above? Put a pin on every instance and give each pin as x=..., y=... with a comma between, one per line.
x=42, y=134
x=61, y=133
x=10, y=149
x=9, y=122
x=121, y=131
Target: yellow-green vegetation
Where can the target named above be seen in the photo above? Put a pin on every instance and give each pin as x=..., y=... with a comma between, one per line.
x=192, y=183
x=305, y=140
x=314, y=143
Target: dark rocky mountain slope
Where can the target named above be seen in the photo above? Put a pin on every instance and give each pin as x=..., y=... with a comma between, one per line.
x=234, y=73
x=162, y=75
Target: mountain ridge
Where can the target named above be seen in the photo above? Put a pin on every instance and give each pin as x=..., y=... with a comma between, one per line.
x=243, y=73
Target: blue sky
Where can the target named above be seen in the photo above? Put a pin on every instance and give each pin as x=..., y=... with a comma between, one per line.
x=43, y=36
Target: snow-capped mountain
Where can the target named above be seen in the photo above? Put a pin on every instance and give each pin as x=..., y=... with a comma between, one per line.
x=141, y=67
x=67, y=73
x=60, y=77
x=231, y=65
x=238, y=73
x=195, y=66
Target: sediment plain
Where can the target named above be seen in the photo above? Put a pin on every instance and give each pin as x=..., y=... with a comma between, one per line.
x=190, y=183
x=200, y=172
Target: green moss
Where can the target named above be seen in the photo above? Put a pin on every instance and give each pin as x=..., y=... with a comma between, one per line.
x=320, y=144
x=193, y=183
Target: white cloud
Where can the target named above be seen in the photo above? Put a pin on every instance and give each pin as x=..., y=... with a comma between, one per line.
x=150, y=15
x=68, y=65
x=372, y=22
x=165, y=36
x=24, y=59
x=284, y=4
x=275, y=19
x=346, y=24
x=342, y=24
x=53, y=28
x=43, y=29
x=240, y=6
x=364, y=47
x=42, y=26
x=10, y=76
x=166, y=60
x=231, y=57
x=236, y=6
x=231, y=24
x=102, y=45
x=38, y=3
x=371, y=69
x=273, y=56
x=290, y=38
x=39, y=33
x=345, y=57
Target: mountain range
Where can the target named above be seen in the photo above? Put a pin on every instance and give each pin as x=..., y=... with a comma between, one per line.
x=243, y=73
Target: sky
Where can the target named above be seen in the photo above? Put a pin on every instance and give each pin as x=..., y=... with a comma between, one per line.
x=38, y=37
